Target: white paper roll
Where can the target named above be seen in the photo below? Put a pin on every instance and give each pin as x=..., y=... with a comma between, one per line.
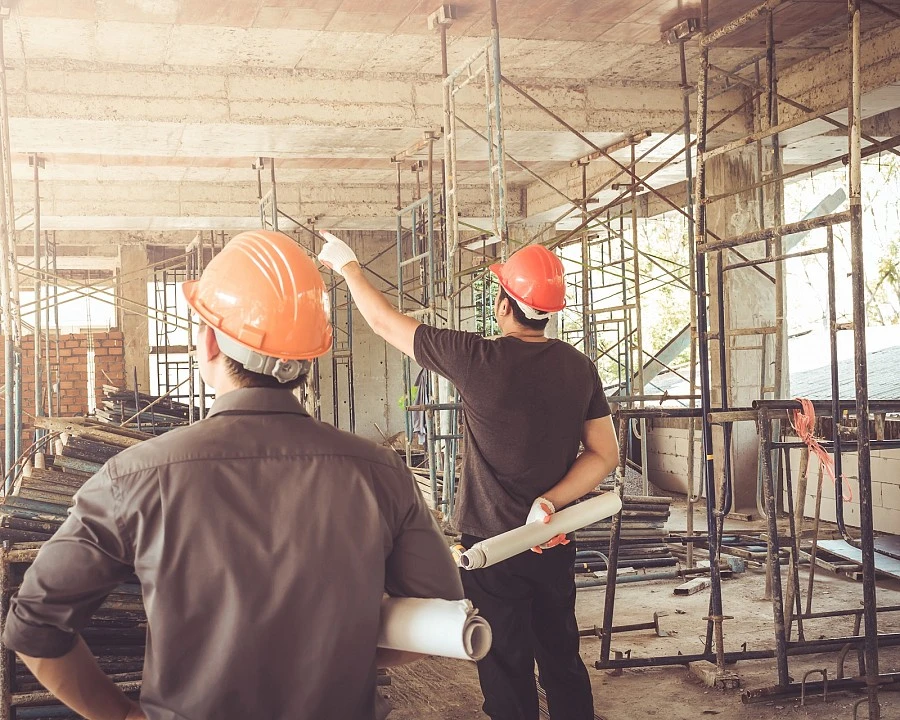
x=449, y=628
x=504, y=546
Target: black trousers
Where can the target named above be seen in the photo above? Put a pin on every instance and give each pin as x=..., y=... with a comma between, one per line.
x=529, y=600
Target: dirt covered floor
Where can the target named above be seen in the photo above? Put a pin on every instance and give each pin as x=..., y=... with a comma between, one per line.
x=448, y=690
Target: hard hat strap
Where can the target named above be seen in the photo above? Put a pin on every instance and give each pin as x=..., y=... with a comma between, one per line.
x=284, y=371
x=530, y=312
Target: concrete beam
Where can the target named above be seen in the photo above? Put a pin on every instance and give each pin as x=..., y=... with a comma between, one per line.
x=161, y=205
x=822, y=80
x=192, y=100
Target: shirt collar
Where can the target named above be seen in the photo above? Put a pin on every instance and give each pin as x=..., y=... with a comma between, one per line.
x=257, y=400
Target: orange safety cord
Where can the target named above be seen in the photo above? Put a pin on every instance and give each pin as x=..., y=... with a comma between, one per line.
x=804, y=423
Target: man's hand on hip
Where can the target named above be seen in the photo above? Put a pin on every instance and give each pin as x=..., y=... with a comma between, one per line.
x=541, y=510
x=336, y=255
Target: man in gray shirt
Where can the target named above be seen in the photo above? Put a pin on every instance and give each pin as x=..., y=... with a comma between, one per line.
x=263, y=540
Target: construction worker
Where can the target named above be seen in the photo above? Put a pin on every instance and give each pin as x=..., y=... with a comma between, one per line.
x=263, y=539
x=528, y=402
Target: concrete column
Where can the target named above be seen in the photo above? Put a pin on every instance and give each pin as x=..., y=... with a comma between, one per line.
x=133, y=266
x=749, y=304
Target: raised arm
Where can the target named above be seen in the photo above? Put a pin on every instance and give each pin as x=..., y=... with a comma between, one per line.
x=394, y=327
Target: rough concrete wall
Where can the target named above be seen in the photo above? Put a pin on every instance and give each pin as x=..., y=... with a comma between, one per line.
x=108, y=369
x=885, y=489
x=378, y=376
x=749, y=303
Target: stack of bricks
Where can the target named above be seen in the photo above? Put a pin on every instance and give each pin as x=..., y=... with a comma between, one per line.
x=109, y=369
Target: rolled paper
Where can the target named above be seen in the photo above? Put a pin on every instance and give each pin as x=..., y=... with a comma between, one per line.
x=449, y=628
x=506, y=545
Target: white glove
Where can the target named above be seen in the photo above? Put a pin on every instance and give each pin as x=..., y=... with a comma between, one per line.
x=336, y=254
x=541, y=510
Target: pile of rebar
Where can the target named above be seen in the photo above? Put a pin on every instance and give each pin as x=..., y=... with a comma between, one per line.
x=642, y=537
x=152, y=414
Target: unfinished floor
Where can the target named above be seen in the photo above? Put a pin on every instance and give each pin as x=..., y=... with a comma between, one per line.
x=448, y=690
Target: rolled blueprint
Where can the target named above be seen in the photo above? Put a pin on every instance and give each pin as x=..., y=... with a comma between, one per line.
x=504, y=546
x=449, y=628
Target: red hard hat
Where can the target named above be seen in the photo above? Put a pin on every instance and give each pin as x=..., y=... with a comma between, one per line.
x=263, y=292
x=535, y=277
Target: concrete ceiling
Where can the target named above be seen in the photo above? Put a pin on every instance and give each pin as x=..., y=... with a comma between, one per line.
x=150, y=113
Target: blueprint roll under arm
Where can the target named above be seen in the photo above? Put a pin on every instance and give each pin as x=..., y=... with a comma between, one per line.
x=449, y=628
x=501, y=547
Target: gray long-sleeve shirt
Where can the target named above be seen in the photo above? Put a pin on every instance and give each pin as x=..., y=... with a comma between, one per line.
x=263, y=541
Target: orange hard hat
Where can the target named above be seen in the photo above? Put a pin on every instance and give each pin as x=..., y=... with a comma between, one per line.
x=534, y=276
x=265, y=298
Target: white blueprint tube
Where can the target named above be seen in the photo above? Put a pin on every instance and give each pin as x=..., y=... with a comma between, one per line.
x=449, y=628
x=504, y=546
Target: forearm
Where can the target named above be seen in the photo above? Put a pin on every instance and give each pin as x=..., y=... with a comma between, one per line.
x=394, y=327
x=77, y=681
x=586, y=473
x=369, y=300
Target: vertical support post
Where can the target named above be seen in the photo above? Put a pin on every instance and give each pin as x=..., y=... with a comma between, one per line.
x=712, y=525
x=498, y=144
x=12, y=321
x=638, y=363
x=451, y=208
x=38, y=387
x=764, y=428
x=48, y=378
x=835, y=373
x=198, y=264
x=586, y=317
x=857, y=274
x=56, y=353
x=689, y=207
x=778, y=204
x=614, y=540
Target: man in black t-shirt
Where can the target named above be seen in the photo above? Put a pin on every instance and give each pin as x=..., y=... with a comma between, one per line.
x=529, y=402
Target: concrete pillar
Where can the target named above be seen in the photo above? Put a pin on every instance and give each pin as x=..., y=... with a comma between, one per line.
x=749, y=305
x=133, y=266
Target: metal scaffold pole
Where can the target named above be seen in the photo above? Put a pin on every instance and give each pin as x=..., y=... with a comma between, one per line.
x=714, y=623
x=37, y=163
x=860, y=365
x=12, y=319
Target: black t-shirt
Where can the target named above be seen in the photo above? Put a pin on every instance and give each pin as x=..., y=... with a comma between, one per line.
x=524, y=408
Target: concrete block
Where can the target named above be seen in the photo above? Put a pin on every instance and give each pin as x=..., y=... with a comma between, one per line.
x=890, y=496
x=886, y=520
x=885, y=470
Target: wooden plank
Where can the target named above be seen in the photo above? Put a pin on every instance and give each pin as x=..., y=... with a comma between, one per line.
x=102, y=433
x=692, y=587
x=47, y=497
x=13, y=501
x=81, y=466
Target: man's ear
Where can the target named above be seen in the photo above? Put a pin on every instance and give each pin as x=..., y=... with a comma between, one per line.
x=210, y=344
x=503, y=308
